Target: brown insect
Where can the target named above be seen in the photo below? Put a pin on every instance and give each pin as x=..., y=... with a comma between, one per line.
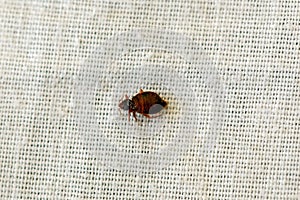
x=145, y=103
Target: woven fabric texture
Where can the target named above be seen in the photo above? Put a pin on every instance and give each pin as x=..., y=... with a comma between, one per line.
x=229, y=71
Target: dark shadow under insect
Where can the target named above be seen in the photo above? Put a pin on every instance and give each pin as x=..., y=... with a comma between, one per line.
x=145, y=103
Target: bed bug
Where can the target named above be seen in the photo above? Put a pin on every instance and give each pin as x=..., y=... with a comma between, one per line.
x=146, y=103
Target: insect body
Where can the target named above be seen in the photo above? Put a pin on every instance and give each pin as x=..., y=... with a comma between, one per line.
x=145, y=103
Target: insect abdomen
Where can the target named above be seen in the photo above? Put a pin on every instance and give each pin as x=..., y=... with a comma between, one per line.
x=148, y=103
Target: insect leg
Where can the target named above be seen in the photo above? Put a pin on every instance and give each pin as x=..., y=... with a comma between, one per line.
x=152, y=116
x=134, y=115
x=146, y=115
